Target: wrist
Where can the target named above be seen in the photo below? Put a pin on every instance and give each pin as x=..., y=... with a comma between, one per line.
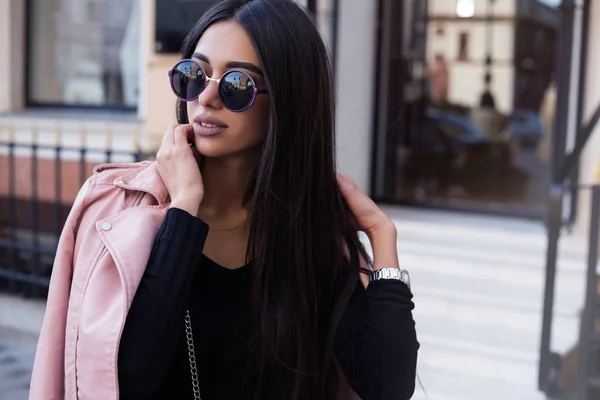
x=383, y=230
x=383, y=242
x=190, y=205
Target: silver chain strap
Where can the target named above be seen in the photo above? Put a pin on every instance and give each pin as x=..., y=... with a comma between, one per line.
x=192, y=355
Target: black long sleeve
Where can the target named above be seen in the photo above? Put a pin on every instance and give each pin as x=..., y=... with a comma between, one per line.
x=154, y=319
x=376, y=342
x=375, y=345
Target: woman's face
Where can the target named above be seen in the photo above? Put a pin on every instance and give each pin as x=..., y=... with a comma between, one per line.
x=225, y=46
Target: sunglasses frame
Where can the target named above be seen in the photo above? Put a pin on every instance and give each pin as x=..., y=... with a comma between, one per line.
x=207, y=79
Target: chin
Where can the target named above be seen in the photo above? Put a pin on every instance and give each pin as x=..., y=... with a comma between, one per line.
x=212, y=151
x=217, y=149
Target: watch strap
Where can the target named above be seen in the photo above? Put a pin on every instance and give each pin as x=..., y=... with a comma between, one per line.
x=391, y=273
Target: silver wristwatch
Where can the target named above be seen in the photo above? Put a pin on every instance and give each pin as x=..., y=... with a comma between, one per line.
x=391, y=273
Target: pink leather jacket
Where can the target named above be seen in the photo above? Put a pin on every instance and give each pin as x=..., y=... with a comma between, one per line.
x=101, y=257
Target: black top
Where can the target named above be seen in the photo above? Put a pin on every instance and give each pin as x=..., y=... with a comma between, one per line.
x=375, y=345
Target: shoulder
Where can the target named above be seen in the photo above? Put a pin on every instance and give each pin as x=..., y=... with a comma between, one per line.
x=108, y=178
x=109, y=172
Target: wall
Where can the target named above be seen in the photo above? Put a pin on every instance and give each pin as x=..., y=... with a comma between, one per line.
x=157, y=102
x=12, y=20
x=95, y=130
x=356, y=58
x=590, y=160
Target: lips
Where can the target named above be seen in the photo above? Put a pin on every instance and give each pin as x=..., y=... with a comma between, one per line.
x=209, y=121
x=206, y=125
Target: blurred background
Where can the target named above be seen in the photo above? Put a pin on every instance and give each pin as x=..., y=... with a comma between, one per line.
x=471, y=122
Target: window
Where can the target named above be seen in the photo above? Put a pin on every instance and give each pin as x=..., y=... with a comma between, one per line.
x=463, y=46
x=440, y=30
x=465, y=8
x=83, y=53
x=447, y=150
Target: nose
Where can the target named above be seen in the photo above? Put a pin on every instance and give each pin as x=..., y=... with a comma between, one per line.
x=210, y=95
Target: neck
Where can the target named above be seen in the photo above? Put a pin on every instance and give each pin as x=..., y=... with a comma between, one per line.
x=225, y=183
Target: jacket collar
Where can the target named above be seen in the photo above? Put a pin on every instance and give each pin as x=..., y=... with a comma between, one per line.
x=147, y=179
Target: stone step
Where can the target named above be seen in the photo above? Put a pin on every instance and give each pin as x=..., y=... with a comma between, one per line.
x=508, y=285
x=459, y=305
x=478, y=283
x=507, y=337
x=447, y=385
x=477, y=361
x=447, y=228
x=488, y=255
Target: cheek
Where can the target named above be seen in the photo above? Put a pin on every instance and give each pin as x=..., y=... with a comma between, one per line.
x=254, y=122
x=261, y=114
x=190, y=106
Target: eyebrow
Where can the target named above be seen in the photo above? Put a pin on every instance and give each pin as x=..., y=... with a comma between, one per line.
x=232, y=64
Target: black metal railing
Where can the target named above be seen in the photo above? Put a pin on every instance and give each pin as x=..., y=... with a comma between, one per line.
x=576, y=15
x=31, y=219
x=589, y=337
x=588, y=354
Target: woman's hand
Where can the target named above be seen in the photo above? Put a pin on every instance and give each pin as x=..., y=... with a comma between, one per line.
x=369, y=218
x=178, y=166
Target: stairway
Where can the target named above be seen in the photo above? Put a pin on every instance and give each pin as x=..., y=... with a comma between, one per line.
x=478, y=283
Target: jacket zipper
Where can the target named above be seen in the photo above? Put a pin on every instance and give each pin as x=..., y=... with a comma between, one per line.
x=136, y=203
x=104, y=251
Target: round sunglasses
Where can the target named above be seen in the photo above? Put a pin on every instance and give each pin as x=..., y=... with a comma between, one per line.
x=237, y=90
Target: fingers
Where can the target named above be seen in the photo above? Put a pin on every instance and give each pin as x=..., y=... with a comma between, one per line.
x=366, y=213
x=347, y=184
x=182, y=136
x=167, y=143
x=175, y=140
x=168, y=137
x=356, y=198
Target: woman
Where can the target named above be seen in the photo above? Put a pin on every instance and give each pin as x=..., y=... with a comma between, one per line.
x=235, y=251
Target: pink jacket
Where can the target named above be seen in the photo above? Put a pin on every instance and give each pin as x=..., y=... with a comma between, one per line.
x=101, y=257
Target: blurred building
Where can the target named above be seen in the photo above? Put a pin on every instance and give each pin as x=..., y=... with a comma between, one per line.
x=519, y=37
x=447, y=104
x=455, y=108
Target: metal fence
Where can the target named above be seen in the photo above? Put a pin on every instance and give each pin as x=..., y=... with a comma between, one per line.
x=587, y=356
x=31, y=221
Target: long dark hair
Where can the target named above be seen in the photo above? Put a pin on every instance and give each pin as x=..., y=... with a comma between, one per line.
x=299, y=229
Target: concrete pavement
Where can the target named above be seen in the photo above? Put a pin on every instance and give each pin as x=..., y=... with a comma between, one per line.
x=20, y=323
x=17, y=349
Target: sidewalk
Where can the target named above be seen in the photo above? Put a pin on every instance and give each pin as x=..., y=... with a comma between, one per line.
x=478, y=285
x=17, y=350
x=20, y=322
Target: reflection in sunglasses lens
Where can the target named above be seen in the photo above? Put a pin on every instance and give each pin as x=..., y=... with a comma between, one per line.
x=188, y=80
x=236, y=90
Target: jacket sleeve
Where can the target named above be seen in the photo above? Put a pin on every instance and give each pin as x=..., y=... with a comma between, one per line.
x=376, y=343
x=155, y=320
x=47, y=379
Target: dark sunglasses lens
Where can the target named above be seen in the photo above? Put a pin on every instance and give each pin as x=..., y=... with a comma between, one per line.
x=236, y=90
x=187, y=80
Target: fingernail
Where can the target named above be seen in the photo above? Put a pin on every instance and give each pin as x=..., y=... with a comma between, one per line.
x=346, y=179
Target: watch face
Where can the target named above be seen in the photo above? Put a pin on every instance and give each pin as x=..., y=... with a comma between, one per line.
x=405, y=277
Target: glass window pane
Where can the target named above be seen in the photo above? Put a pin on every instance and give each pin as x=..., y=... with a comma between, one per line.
x=474, y=130
x=84, y=52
